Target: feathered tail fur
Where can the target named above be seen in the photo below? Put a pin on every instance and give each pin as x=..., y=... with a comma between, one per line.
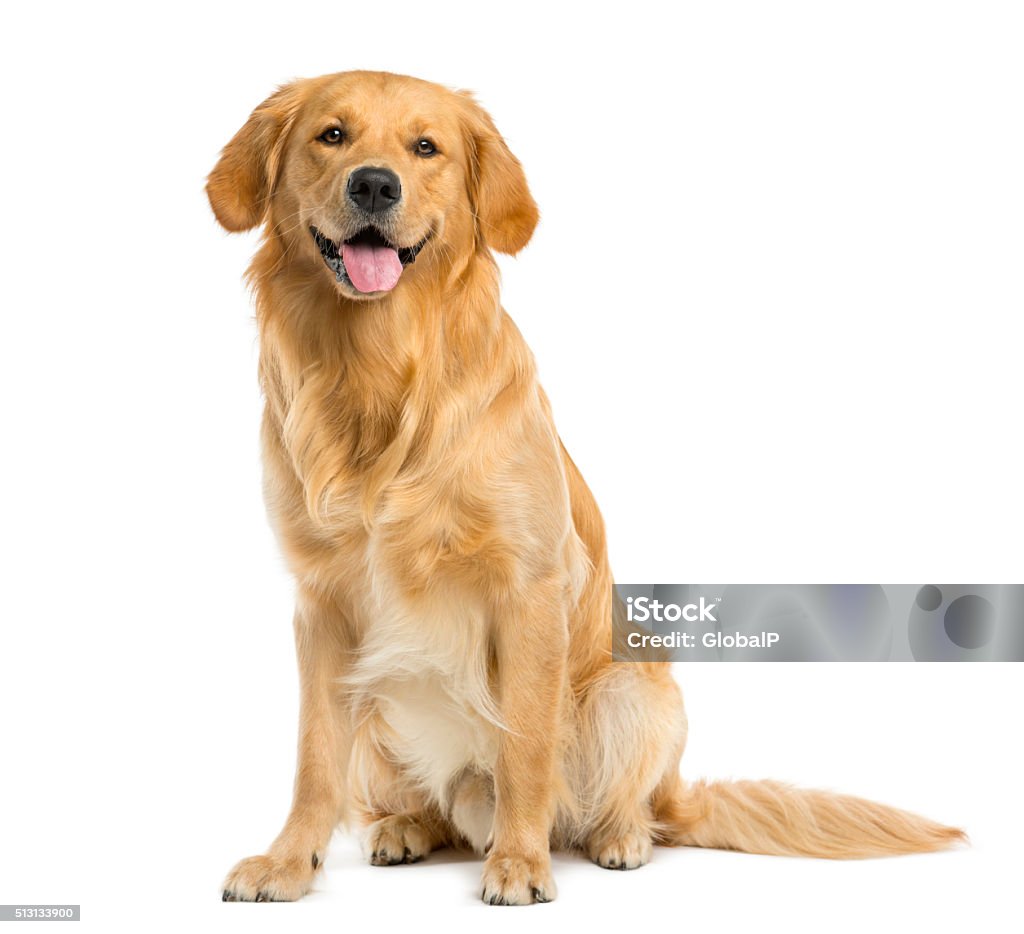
x=777, y=819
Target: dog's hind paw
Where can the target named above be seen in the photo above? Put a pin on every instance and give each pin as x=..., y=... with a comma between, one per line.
x=630, y=851
x=398, y=838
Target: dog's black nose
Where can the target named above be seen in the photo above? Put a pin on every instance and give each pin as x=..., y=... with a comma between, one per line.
x=373, y=189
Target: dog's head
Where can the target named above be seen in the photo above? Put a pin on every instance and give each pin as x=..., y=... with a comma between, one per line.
x=367, y=173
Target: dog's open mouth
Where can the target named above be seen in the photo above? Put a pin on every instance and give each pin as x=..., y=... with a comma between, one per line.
x=368, y=261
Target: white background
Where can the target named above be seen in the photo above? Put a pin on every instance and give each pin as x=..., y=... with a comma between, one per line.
x=775, y=298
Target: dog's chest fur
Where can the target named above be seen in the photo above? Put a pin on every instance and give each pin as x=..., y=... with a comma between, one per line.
x=420, y=631
x=423, y=665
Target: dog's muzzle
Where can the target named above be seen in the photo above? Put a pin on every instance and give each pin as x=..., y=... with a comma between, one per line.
x=368, y=262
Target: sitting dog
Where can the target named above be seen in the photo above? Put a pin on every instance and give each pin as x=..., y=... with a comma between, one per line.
x=454, y=612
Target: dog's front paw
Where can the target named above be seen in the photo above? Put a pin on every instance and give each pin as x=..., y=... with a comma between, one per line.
x=270, y=879
x=517, y=880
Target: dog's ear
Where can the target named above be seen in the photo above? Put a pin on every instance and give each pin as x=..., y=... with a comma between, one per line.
x=242, y=181
x=505, y=210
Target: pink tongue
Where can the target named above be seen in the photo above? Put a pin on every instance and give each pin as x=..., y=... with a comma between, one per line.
x=371, y=268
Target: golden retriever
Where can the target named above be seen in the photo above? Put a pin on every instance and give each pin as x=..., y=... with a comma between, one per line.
x=454, y=612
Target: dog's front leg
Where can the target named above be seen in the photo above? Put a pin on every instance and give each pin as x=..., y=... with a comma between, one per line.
x=530, y=642
x=286, y=871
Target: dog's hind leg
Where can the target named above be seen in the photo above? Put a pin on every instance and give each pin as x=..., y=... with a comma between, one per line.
x=401, y=825
x=472, y=809
x=632, y=733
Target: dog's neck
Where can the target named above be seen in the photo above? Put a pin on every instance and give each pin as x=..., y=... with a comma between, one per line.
x=364, y=383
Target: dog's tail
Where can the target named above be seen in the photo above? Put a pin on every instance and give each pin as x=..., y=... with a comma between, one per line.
x=780, y=820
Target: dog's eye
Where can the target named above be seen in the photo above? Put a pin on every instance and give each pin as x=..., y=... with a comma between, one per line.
x=425, y=148
x=333, y=136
